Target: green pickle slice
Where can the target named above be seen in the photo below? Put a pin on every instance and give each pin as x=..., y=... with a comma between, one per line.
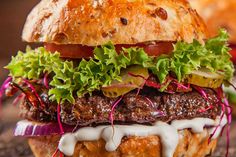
x=129, y=81
x=204, y=78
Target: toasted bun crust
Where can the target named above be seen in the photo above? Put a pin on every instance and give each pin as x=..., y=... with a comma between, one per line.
x=218, y=14
x=190, y=145
x=95, y=22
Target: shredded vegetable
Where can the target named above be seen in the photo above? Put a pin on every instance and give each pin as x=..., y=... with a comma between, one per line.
x=226, y=109
x=201, y=91
x=60, y=126
x=153, y=84
x=4, y=86
x=18, y=99
x=55, y=153
x=229, y=118
x=160, y=113
x=181, y=86
x=45, y=80
x=206, y=109
x=151, y=103
x=59, y=119
x=35, y=92
x=204, y=95
x=111, y=116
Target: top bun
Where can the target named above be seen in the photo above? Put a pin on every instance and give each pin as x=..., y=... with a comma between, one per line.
x=95, y=22
x=218, y=14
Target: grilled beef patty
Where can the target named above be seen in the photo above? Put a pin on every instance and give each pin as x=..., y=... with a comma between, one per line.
x=146, y=107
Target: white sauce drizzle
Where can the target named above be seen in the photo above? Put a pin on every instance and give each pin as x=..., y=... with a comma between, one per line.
x=197, y=124
x=168, y=134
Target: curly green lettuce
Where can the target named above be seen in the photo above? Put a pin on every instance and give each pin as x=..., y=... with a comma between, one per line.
x=69, y=81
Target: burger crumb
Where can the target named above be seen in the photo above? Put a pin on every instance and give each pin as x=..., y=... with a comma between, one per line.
x=124, y=21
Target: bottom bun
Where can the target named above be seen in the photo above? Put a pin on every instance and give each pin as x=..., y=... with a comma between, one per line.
x=190, y=145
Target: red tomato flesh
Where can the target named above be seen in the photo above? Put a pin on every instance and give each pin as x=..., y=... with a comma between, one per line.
x=71, y=51
x=233, y=54
x=79, y=51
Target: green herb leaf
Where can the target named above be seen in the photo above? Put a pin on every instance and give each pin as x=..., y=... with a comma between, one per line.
x=214, y=55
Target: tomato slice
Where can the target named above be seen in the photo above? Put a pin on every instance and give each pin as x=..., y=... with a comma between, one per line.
x=233, y=53
x=151, y=49
x=80, y=51
x=71, y=51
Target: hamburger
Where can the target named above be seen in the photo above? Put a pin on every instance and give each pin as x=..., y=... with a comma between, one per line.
x=120, y=78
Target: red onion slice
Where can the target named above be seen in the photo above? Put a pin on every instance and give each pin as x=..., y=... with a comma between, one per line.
x=27, y=128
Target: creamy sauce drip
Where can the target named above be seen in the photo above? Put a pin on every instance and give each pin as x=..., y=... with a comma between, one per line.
x=168, y=134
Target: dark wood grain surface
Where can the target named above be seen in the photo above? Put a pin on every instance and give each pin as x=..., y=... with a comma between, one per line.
x=17, y=147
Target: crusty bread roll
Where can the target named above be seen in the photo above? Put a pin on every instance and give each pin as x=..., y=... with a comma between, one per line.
x=95, y=22
x=218, y=14
x=190, y=145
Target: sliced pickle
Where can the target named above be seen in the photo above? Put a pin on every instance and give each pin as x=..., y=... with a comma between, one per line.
x=132, y=77
x=205, y=78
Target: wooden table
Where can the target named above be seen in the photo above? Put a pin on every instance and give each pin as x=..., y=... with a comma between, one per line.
x=17, y=147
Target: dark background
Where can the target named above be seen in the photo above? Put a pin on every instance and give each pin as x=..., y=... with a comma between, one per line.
x=13, y=14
